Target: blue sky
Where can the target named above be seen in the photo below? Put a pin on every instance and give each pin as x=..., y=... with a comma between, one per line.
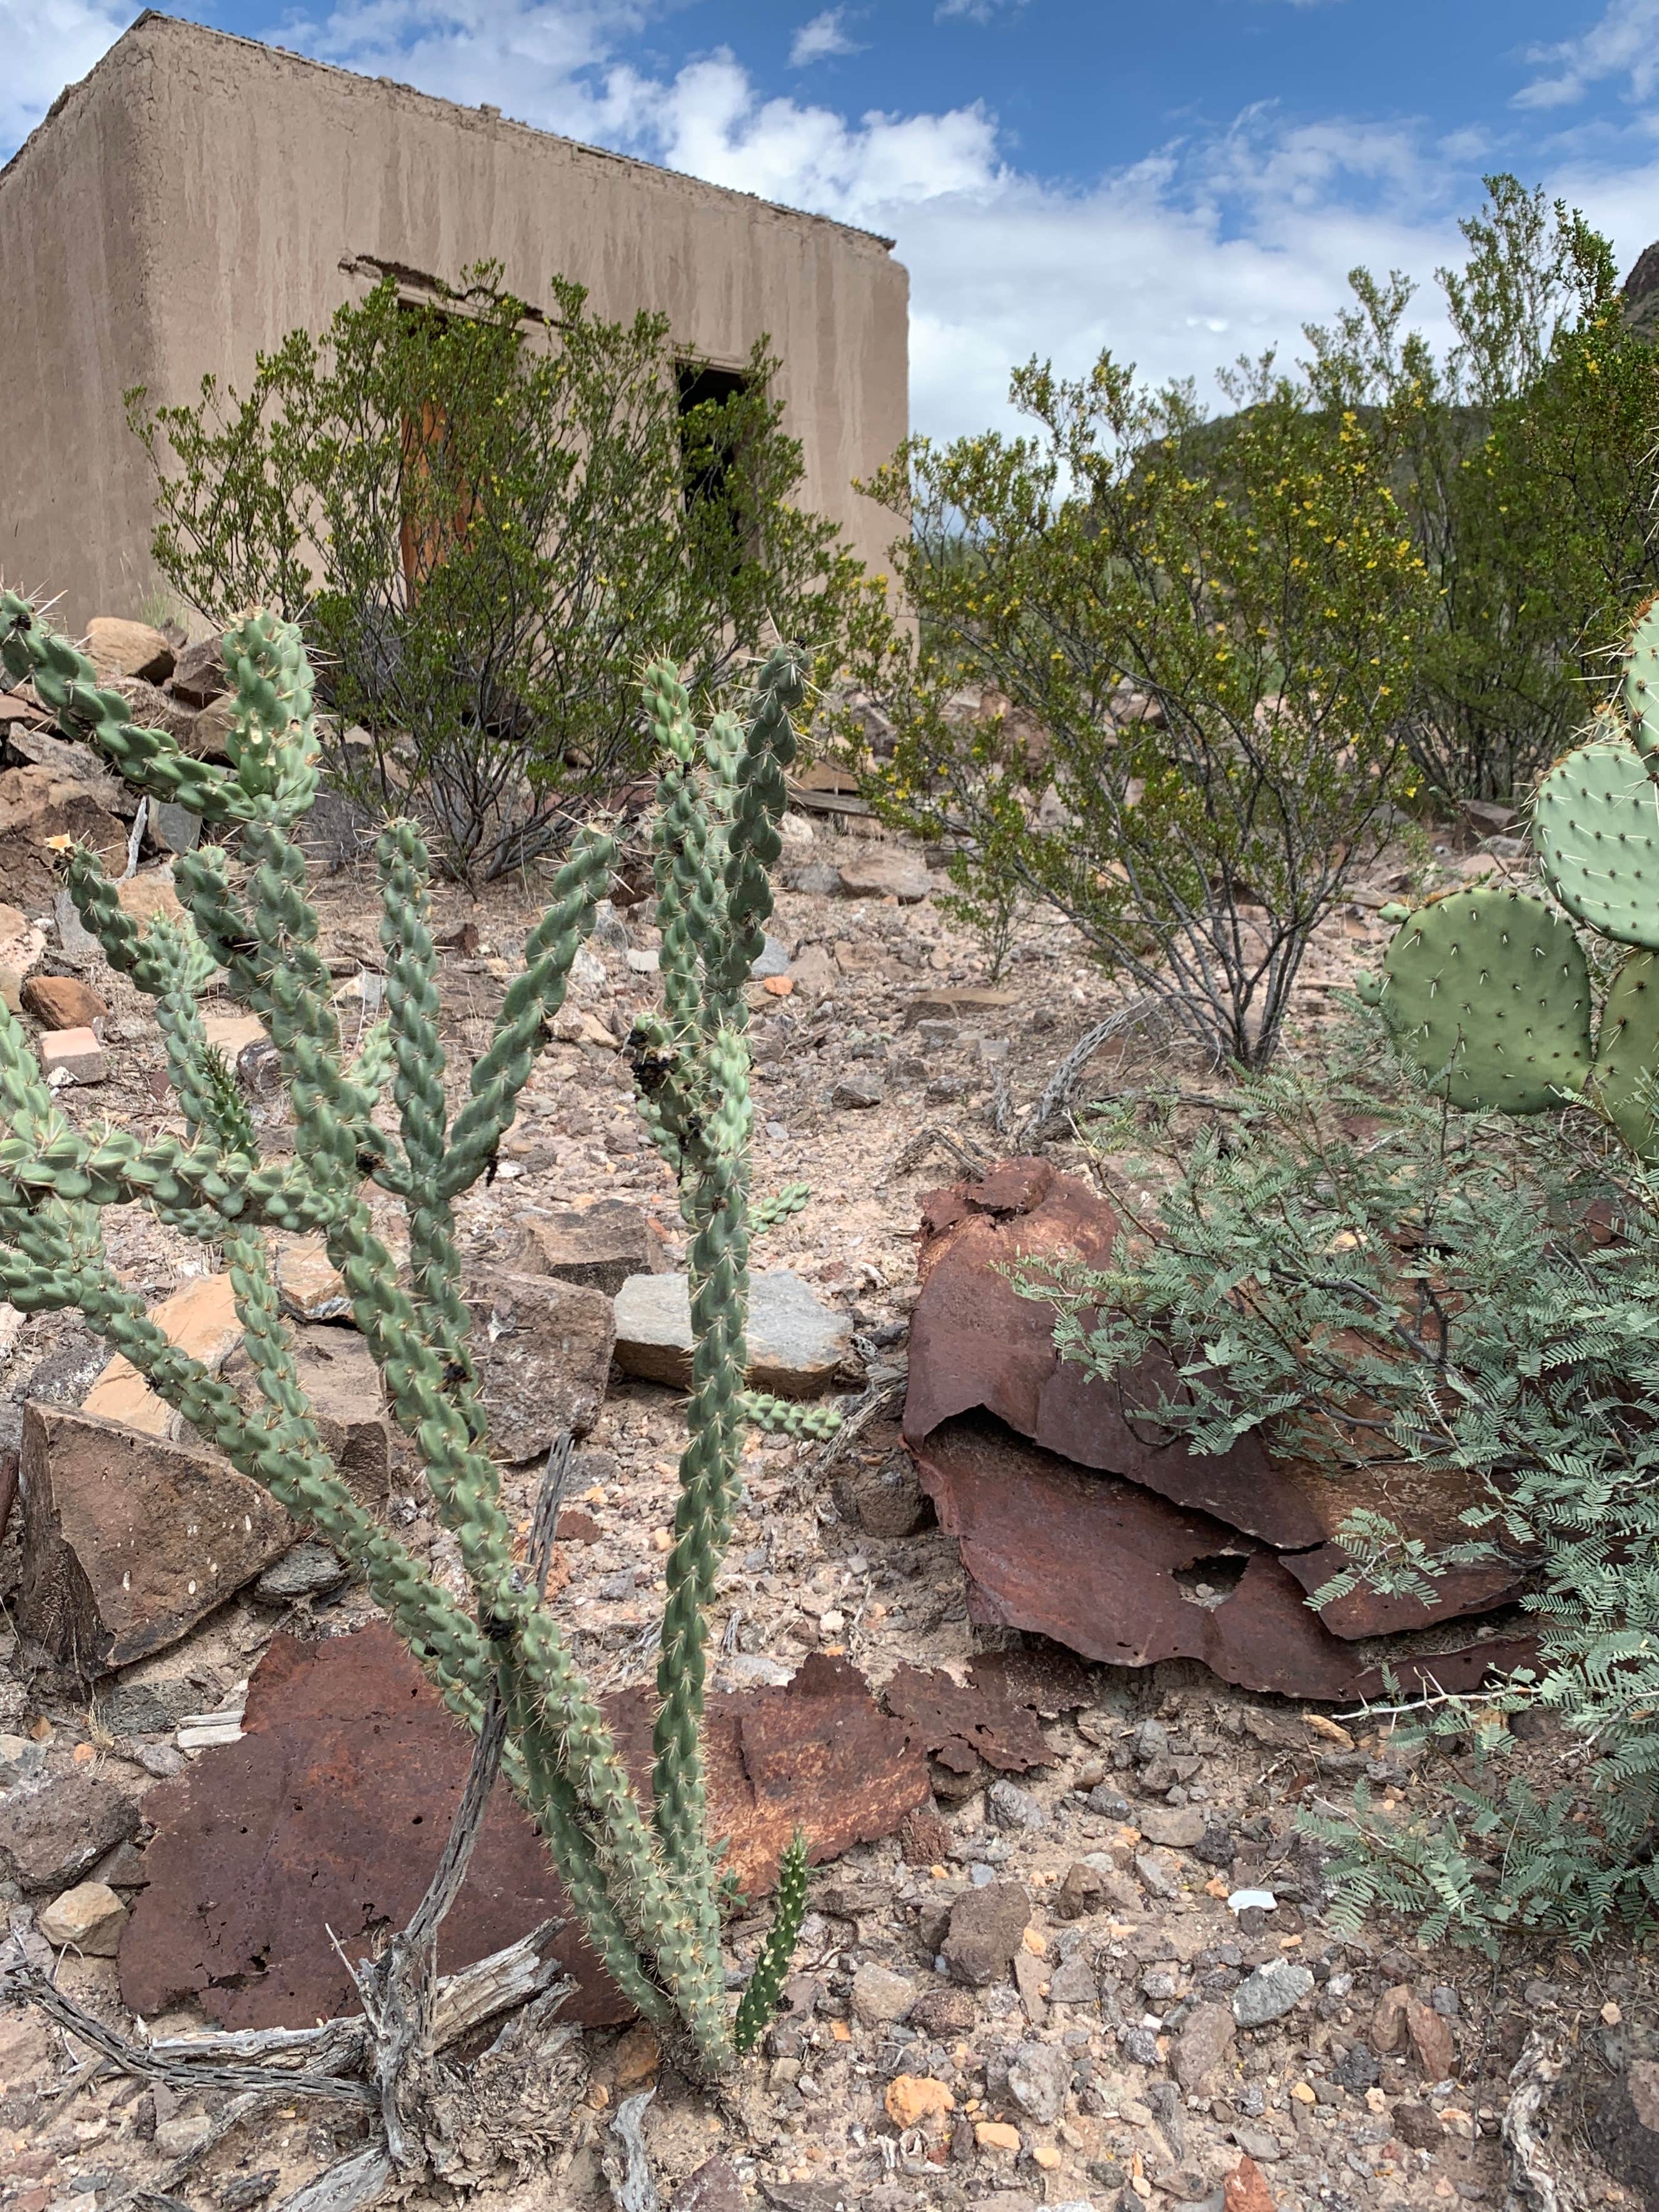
x=1179, y=179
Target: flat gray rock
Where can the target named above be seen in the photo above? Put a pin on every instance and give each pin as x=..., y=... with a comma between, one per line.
x=884, y=872
x=1270, y=1992
x=795, y=1342
x=306, y=1572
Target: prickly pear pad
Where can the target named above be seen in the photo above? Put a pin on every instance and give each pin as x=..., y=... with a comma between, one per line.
x=1595, y=823
x=1627, y=1055
x=1642, y=687
x=1489, y=993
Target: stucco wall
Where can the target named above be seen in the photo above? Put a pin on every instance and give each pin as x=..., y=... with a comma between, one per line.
x=195, y=197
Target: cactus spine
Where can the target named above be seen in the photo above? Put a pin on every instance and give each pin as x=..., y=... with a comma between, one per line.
x=640, y=1876
x=1488, y=991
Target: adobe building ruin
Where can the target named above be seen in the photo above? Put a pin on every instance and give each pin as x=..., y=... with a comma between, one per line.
x=198, y=196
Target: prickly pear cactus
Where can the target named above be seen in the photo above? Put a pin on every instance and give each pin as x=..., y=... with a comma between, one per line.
x=1489, y=993
x=1641, y=689
x=1627, y=1055
x=1596, y=824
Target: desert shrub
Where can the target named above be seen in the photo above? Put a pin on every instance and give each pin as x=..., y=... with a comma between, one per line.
x=485, y=520
x=1378, y=1281
x=1264, y=604
x=1522, y=459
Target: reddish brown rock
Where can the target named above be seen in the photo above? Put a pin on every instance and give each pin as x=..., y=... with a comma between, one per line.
x=1111, y=1571
x=1246, y=2190
x=63, y=1002
x=976, y=1345
x=198, y=674
x=22, y=712
x=1388, y=2021
x=543, y=1351
x=36, y=805
x=50, y=1838
x=331, y=1810
x=714, y=2187
x=598, y=1247
x=1431, y=2040
x=117, y=648
x=956, y=1722
x=128, y=1541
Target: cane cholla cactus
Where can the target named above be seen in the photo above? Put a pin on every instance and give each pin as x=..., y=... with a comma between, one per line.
x=641, y=1876
x=1489, y=991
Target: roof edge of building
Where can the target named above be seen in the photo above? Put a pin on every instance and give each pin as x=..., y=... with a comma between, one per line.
x=207, y=32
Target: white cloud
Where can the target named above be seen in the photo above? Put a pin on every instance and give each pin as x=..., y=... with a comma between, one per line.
x=1624, y=43
x=972, y=11
x=1222, y=242
x=49, y=44
x=711, y=122
x=1218, y=244
x=820, y=39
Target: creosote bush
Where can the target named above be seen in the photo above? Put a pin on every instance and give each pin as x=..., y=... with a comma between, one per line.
x=1263, y=598
x=1522, y=457
x=640, y=1870
x=485, y=518
x=1384, y=1285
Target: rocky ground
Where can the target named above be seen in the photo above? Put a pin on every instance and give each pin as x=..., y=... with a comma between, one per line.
x=1111, y=1979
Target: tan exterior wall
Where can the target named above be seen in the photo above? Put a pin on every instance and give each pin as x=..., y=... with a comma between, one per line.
x=195, y=197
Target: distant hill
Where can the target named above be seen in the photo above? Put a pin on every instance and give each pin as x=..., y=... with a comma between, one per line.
x=1642, y=294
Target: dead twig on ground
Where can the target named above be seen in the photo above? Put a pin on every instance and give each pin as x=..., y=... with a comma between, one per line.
x=628, y=2177
x=1532, y=2187
x=966, y=1154
x=1061, y=1087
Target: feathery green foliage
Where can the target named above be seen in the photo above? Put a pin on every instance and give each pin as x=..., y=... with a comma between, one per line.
x=1523, y=460
x=641, y=1872
x=1387, y=1285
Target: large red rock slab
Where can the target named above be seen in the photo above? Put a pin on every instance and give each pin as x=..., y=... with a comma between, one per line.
x=331, y=1812
x=1109, y=1569
x=978, y=1345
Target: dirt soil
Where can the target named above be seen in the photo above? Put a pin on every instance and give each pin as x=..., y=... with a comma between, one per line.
x=886, y=2082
